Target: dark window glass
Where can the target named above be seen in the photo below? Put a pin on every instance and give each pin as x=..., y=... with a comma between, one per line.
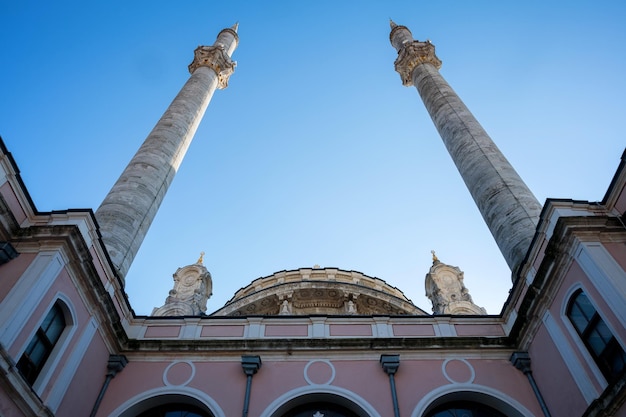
x=596, y=335
x=464, y=409
x=175, y=410
x=38, y=350
x=320, y=409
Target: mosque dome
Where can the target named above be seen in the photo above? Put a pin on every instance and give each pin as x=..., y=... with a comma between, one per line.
x=326, y=291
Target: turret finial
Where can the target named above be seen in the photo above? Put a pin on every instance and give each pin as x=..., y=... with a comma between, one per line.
x=200, y=259
x=235, y=26
x=392, y=23
x=435, y=259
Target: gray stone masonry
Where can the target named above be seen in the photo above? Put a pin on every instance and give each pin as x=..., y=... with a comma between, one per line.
x=509, y=208
x=128, y=210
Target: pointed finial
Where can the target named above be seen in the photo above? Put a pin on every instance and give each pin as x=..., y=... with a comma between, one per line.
x=435, y=259
x=200, y=259
x=392, y=23
x=235, y=26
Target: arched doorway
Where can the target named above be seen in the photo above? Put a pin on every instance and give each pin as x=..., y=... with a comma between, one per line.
x=464, y=409
x=471, y=400
x=167, y=405
x=175, y=410
x=319, y=409
x=320, y=404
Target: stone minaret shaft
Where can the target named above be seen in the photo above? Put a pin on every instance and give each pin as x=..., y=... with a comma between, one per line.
x=128, y=210
x=509, y=208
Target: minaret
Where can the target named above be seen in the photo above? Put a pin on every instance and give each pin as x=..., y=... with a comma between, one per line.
x=509, y=208
x=128, y=210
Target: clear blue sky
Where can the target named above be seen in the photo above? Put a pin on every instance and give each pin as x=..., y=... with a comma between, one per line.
x=315, y=153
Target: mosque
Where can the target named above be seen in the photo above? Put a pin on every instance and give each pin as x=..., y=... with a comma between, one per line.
x=312, y=342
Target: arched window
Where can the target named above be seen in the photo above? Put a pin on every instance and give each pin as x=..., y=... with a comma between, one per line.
x=175, y=410
x=596, y=335
x=38, y=350
x=464, y=409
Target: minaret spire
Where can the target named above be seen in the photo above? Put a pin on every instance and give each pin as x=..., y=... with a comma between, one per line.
x=509, y=208
x=128, y=210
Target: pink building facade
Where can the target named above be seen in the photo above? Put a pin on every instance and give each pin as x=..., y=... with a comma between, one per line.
x=70, y=344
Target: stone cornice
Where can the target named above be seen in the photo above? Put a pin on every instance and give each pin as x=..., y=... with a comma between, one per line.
x=238, y=346
x=413, y=54
x=70, y=242
x=216, y=58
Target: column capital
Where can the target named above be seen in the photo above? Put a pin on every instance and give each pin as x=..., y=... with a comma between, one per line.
x=216, y=58
x=412, y=54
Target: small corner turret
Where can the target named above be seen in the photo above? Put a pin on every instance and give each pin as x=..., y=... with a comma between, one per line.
x=192, y=289
x=447, y=292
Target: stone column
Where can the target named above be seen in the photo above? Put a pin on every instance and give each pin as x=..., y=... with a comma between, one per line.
x=128, y=210
x=509, y=208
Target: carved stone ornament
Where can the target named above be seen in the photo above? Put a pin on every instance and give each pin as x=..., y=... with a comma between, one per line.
x=192, y=289
x=215, y=58
x=447, y=292
x=413, y=54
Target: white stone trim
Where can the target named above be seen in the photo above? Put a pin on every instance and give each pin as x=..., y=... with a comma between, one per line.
x=510, y=321
x=271, y=410
x=574, y=334
x=62, y=383
x=530, y=276
x=444, y=330
x=20, y=303
x=587, y=389
x=559, y=212
x=125, y=410
x=606, y=275
x=499, y=400
x=319, y=327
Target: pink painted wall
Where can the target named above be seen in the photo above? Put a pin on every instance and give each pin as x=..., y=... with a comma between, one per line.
x=222, y=331
x=86, y=383
x=413, y=330
x=479, y=330
x=618, y=252
x=224, y=381
x=561, y=393
x=8, y=407
x=162, y=331
x=286, y=330
x=620, y=205
x=16, y=208
x=12, y=271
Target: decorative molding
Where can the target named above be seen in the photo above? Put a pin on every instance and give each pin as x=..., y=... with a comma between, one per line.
x=166, y=380
x=327, y=362
x=469, y=366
